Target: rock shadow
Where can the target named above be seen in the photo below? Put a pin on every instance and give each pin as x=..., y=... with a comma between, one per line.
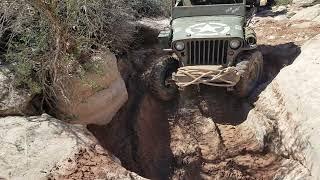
x=275, y=58
x=139, y=135
x=216, y=103
x=267, y=12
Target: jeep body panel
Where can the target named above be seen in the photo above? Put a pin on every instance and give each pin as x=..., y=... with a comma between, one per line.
x=208, y=32
x=205, y=32
x=199, y=27
x=209, y=10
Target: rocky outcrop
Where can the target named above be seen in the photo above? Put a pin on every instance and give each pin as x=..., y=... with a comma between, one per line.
x=97, y=96
x=292, y=102
x=310, y=13
x=42, y=147
x=303, y=2
x=13, y=101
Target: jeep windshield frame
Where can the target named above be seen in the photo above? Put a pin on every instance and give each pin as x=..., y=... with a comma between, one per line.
x=235, y=9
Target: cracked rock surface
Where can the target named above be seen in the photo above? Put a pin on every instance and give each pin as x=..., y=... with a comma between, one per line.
x=42, y=147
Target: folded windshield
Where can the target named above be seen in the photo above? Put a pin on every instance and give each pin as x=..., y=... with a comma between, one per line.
x=206, y=2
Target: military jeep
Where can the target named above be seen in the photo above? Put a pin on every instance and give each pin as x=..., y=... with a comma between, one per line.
x=208, y=42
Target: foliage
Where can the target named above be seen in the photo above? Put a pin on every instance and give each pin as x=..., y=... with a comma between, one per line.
x=151, y=7
x=45, y=41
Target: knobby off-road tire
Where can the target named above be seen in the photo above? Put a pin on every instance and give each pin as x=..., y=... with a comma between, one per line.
x=160, y=73
x=250, y=66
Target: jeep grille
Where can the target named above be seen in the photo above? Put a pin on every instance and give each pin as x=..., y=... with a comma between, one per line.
x=207, y=52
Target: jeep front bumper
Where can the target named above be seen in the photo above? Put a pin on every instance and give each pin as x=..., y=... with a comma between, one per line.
x=212, y=75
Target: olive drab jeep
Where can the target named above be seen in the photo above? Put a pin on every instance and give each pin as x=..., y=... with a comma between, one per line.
x=208, y=42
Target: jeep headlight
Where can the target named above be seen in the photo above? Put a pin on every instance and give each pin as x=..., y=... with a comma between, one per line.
x=179, y=45
x=235, y=43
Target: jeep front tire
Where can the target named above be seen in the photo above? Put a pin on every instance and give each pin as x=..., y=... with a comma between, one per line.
x=161, y=84
x=250, y=67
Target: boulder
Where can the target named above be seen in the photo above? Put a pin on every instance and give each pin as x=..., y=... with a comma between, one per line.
x=42, y=147
x=311, y=13
x=13, y=101
x=292, y=103
x=97, y=96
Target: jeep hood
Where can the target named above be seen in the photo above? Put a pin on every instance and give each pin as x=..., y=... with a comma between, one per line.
x=207, y=27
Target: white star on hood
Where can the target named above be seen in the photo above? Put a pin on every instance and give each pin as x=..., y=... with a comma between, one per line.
x=207, y=28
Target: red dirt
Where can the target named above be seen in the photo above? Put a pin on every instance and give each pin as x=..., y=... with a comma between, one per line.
x=91, y=163
x=272, y=32
x=204, y=149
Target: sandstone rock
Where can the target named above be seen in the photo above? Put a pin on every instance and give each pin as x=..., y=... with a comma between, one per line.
x=281, y=9
x=290, y=14
x=291, y=170
x=281, y=18
x=39, y=147
x=271, y=37
x=303, y=2
x=317, y=19
x=310, y=13
x=303, y=25
x=96, y=97
x=13, y=101
x=292, y=101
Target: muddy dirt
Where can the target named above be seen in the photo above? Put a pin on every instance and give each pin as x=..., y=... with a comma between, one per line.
x=185, y=139
x=179, y=141
x=209, y=148
x=91, y=163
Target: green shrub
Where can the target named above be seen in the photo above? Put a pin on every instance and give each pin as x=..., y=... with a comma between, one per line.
x=45, y=40
x=151, y=8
